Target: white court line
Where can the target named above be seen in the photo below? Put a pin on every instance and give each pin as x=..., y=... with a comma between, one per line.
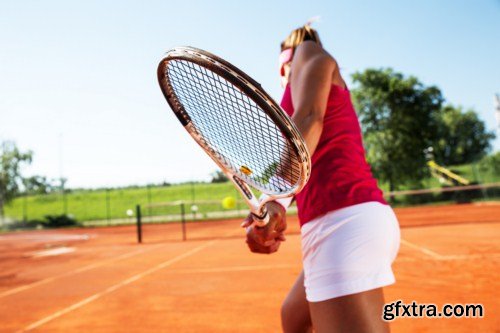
x=53, y=252
x=44, y=237
x=422, y=249
x=470, y=256
x=462, y=257
x=76, y=271
x=232, y=269
x=115, y=287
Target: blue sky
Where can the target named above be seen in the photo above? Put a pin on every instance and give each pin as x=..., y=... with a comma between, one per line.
x=80, y=77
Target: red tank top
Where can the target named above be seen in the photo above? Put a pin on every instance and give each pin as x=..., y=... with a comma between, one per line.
x=340, y=175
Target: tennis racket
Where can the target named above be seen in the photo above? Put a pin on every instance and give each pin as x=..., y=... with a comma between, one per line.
x=237, y=124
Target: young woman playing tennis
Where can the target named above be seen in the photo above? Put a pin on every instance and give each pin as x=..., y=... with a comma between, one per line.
x=350, y=236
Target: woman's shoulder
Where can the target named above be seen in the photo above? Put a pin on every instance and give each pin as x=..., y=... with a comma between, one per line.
x=310, y=50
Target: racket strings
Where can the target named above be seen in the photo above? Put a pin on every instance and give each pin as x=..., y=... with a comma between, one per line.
x=234, y=129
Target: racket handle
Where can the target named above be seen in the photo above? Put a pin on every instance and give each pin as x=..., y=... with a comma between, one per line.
x=261, y=220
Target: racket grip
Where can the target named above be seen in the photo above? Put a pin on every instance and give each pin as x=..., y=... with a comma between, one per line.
x=261, y=220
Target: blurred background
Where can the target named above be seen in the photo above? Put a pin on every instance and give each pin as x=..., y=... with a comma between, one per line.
x=93, y=162
x=85, y=134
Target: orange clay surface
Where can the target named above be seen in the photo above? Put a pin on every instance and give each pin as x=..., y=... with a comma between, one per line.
x=101, y=280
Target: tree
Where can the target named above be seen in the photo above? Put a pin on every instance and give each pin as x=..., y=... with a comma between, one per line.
x=38, y=185
x=462, y=137
x=491, y=162
x=219, y=177
x=398, y=116
x=11, y=161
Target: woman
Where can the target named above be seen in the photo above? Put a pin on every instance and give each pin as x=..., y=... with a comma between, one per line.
x=350, y=236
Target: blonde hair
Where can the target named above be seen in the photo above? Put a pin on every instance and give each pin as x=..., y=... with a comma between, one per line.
x=299, y=35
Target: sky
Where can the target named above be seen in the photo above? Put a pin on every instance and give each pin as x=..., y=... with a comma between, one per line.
x=78, y=82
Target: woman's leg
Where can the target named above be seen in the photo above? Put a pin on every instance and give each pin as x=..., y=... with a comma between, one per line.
x=295, y=315
x=347, y=256
x=357, y=313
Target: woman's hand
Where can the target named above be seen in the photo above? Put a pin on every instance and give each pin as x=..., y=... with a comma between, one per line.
x=266, y=239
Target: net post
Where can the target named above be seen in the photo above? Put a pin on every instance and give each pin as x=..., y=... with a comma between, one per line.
x=183, y=220
x=25, y=208
x=139, y=223
x=108, y=206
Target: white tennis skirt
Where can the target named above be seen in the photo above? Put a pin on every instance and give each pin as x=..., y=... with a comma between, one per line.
x=349, y=250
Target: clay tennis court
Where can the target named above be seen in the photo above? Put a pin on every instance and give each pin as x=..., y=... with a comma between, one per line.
x=101, y=280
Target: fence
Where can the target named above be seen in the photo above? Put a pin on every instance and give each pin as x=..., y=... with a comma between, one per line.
x=212, y=210
x=199, y=201
x=108, y=206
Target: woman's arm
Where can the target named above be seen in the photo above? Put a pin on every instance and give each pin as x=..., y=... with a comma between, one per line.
x=310, y=81
x=312, y=71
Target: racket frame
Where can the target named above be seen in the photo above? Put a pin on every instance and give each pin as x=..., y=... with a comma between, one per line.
x=255, y=92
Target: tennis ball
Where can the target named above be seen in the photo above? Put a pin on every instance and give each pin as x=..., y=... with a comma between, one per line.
x=228, y=203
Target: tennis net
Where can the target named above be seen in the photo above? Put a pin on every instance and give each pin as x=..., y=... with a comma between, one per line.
x=208, y=219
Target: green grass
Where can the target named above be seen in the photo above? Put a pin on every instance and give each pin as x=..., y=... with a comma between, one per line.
x=476, y=173
x=88, y=205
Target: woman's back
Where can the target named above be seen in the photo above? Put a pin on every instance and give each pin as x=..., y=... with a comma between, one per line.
x=340, y=175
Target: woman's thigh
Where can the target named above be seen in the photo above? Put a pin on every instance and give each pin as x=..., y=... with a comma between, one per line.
x=295, y=315
x=356, y=313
